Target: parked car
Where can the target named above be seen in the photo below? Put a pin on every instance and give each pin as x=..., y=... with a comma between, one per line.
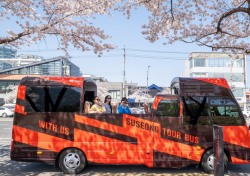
x=10, y=106
x=246, y=113
x=6, y=112
x=137, y=110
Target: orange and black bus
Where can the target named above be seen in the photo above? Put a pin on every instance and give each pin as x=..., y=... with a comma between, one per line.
x=50, y=125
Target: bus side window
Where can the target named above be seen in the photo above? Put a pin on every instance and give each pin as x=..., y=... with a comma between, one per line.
x=214, y=111
x=168, y=108
x=195, y=111
x=52, y=99
x=224, y=112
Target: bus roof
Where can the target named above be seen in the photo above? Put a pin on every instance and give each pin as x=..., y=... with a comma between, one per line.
x=52, y=80
x=200, y=87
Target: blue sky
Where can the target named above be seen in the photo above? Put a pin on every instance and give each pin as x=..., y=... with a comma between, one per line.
x=165, y=61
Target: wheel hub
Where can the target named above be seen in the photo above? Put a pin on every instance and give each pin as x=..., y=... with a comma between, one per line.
x=71, y=161
x=210, y=161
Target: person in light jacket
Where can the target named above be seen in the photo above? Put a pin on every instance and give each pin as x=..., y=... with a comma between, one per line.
x=97, y=107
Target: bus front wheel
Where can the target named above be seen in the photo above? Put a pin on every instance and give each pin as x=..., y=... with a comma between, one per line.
x=208, y=159
x=72, y=161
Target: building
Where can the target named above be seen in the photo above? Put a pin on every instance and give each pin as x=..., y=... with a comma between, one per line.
x=248, y=98
x=58, y=66
x=232, y=67
x=7, y=52
x=4, y=65
x=24, y=59
x=19, y=61
x=134, y=93
x=114, y=89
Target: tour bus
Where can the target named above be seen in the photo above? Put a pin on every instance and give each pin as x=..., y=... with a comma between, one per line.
x=52, y=125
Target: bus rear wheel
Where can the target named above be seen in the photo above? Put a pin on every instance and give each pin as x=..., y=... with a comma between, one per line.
x=72, y=161
x=208, y=159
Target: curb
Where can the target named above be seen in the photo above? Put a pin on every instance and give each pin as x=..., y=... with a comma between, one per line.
x=6, y=119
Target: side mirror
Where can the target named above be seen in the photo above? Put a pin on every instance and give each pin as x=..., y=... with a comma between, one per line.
x=249, y=127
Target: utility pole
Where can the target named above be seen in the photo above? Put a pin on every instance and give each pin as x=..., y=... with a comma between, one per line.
x=244, y=68
x=147, y=78
x=124, y=73
x=244, y=77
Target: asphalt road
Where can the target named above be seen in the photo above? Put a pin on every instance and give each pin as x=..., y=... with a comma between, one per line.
x=8, y=167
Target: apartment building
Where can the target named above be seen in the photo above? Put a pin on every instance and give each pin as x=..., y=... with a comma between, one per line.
x=232, y=67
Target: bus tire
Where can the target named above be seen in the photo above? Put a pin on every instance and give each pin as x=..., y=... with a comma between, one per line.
x=72, y=161
x=207, y=161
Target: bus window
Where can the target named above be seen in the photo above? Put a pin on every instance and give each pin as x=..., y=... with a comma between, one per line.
x=224, y=112
x=195, y=111
x=169, y=108
x=52, y=99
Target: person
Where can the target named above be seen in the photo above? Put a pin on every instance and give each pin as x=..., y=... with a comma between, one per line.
x=97, y=107
x=145, y=105
x=123, y=108
x=107, y=104
x=87, y=105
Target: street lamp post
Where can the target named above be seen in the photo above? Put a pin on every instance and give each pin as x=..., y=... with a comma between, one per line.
x=147, y=78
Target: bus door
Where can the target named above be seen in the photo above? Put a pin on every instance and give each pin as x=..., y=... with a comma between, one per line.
x=141, y=128
x=197, y=129
x=168, y=141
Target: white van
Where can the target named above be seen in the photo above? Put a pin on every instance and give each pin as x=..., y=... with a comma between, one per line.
x=246, y=113
x=6, y=112
x=10, y=106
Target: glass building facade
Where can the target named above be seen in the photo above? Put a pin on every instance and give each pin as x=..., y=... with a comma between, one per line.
x=7, y=52
x=4, y=65
x=59, y=66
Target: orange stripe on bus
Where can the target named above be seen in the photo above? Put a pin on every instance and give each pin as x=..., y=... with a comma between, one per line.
x=21, y=92
x=217, y=81
x=72, y=81
x=178, y=149
x=20, y=109
x=31, y=137
x=231, y=135
x=156, y=102
x=125, y=129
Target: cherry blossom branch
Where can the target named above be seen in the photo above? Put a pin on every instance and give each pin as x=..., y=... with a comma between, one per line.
x=226, y=47
x=229, y=13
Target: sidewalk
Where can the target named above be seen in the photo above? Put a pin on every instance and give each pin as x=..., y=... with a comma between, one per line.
x=8, y=119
